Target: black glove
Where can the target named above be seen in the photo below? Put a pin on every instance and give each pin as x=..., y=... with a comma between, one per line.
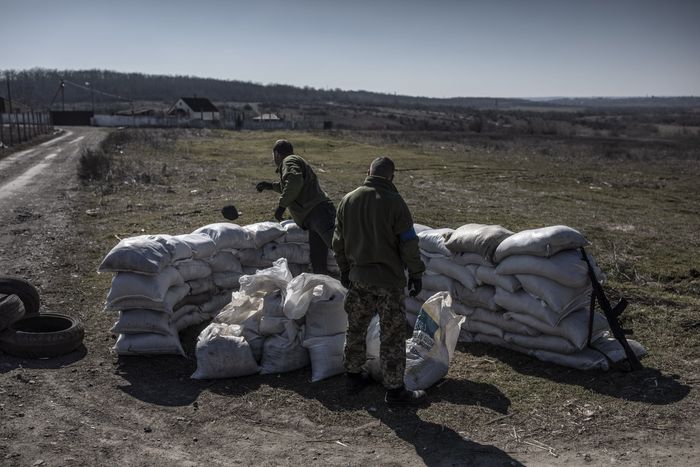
x=279, y=212
x=345, y=279
x=230, y=212
x=414, y=286
x=262, y=186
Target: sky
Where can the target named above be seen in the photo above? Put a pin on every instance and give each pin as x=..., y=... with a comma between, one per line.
x=438, y=48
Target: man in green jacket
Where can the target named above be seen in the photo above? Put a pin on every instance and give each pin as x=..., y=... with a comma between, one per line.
x=308, y=204
x=374, y=242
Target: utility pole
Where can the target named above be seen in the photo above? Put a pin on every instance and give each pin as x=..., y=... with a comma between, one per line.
x=63, y=97
x=9, y=103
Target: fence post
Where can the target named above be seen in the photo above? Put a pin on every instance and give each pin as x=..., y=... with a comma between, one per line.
x=2, y=129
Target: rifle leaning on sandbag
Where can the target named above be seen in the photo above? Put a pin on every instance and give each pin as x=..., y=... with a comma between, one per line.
x=611, y=313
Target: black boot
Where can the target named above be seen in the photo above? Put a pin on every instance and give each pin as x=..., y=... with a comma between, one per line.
x=402, y=397
x=356, y=382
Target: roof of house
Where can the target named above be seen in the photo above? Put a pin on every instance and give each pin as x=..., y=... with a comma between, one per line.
x=267, y=117
x=199, y=104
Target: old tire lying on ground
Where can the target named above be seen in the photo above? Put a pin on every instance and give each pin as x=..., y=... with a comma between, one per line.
x=45, y=335
x=24, y=290
x=11, y=309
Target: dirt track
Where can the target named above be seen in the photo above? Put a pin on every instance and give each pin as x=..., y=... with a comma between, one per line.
x=90, y=408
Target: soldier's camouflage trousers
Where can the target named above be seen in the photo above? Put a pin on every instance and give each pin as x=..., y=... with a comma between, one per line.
x=362, y=302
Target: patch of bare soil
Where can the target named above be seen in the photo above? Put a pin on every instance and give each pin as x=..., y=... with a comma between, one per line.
x=495, y=407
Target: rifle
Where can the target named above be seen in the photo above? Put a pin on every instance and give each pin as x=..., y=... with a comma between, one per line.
x=611, y=313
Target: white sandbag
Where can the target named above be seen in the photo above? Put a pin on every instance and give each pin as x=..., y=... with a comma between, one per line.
x=139, y=321
x=566, y=267
x=373, y=365
x=487, y=275
x=495, y=340
x=418, y=228
x=459, y=273
x=542, y=342
x=477, y=238
x=433, y=241
x=228, y=236
x=172, y=297
x=546, y=241
x=148, y=344
x=413, y=305
x=253, y=258
x=201, y=286
x=523, y=302
x=145, y=254
x=212, y=307
x=293, y=233
x=133, y=285
x=243, y=309
x=482, y=296
x=307, y=288
x=267, y=280
x=272, y=325
x=462, y=309
x=327, y=355
x=430, y=349
x=474, y=326
x=573, y=327
x=189, y=319
x=225, y=261
x=227, y=280
x=294, y=252
x=614, y=350
x=201, y=244
x=438, y=282
x=470, y=258
x=504, y=322
x=559, y=298
x=193, y=269
x=281, y=354
x=222, y=352
x=326, y=317
x=593, y=358
x=264, y=232
x=182, y=311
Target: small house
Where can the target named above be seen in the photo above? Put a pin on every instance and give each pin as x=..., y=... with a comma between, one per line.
x=267, y=118
x=199, y=108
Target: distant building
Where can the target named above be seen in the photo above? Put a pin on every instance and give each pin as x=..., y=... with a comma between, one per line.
x=138, y=112
x=195, y=108
x=267, y=118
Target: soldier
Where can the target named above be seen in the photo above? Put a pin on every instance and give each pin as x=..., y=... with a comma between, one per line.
x=374, y=242
x=308, y=204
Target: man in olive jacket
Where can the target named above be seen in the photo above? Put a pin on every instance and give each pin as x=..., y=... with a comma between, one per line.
x=374, y=242
x=308, y=204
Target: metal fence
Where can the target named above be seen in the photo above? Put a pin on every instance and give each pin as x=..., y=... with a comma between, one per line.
x=18, y=127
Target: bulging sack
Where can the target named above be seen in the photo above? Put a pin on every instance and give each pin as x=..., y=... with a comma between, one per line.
x=282, y=354
x=546, y=241
x=307, y=288
x=264, y=232
x=228, y=236
x=566, y=267
x=132, y=285
x=477, y=238
x=222, y=352
x=267, y=280
x=201, y=244
x=145, y=254
x=430, y=349
x=327, y=356
x=433, y=241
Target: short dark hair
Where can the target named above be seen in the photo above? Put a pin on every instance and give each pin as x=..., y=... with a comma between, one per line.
x=382, y=167
x=283, y=147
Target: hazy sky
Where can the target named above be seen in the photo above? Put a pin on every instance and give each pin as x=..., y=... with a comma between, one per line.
x=438, y=48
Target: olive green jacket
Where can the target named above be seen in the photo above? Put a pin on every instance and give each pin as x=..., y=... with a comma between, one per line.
x=374, y=241
x=299, y=188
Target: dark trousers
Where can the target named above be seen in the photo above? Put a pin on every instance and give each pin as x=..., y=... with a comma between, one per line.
x=320, y=223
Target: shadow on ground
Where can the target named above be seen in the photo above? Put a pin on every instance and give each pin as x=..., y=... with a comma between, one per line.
x=10, y=362
x=646, y=385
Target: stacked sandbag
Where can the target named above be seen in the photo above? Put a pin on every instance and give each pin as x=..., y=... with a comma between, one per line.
x=528, y=291
x=146, y=290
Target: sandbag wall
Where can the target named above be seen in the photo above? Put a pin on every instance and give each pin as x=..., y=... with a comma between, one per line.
x=166, y=283
x=528, y=291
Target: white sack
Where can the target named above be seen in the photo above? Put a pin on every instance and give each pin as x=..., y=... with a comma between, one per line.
x=182, y=311
x=201, y=245
x=483, y=297
x=267, y=280
x=461, y=274
x=327, y=355
x=148, y=344
x=223, y=353
x=523, y=302
x=193, y=269
x=488, y=275
x=470, y=258
x=228, y=236
x=253, y=257
x=201, y=286
x=541, y=342
x=326, y=317
x=566, y=267
x=503, y=321
x=433, y=241
x=189, y=319
x=573, y=327
x=307, y=288
x=145, y=254
x=559, y=298
x=138, y=321
x=225, y=261
x=264, y=232
x=132, y=285
x=227, y=280
x=495, y=340
x=473, y=326
x=172, y=297
x=293, y=233
x=546, y=241
x=373, y=365
x=438, y=282
x=212, y=307
x=477, y=238
x=430, y=349
x=294, y=252
x=281, y=354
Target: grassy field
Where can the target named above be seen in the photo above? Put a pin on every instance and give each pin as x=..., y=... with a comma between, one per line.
x=641, y=213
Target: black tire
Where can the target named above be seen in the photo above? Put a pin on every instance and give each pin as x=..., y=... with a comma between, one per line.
x=11, y=309
x=45, y=335
x=24, y=290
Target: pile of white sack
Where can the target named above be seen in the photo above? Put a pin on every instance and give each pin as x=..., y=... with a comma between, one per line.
x=277, y=323
x=165, y=283
x=528, y=291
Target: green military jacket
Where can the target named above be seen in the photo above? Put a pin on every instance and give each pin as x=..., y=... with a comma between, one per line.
x=374, y=241
x=299, y=188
